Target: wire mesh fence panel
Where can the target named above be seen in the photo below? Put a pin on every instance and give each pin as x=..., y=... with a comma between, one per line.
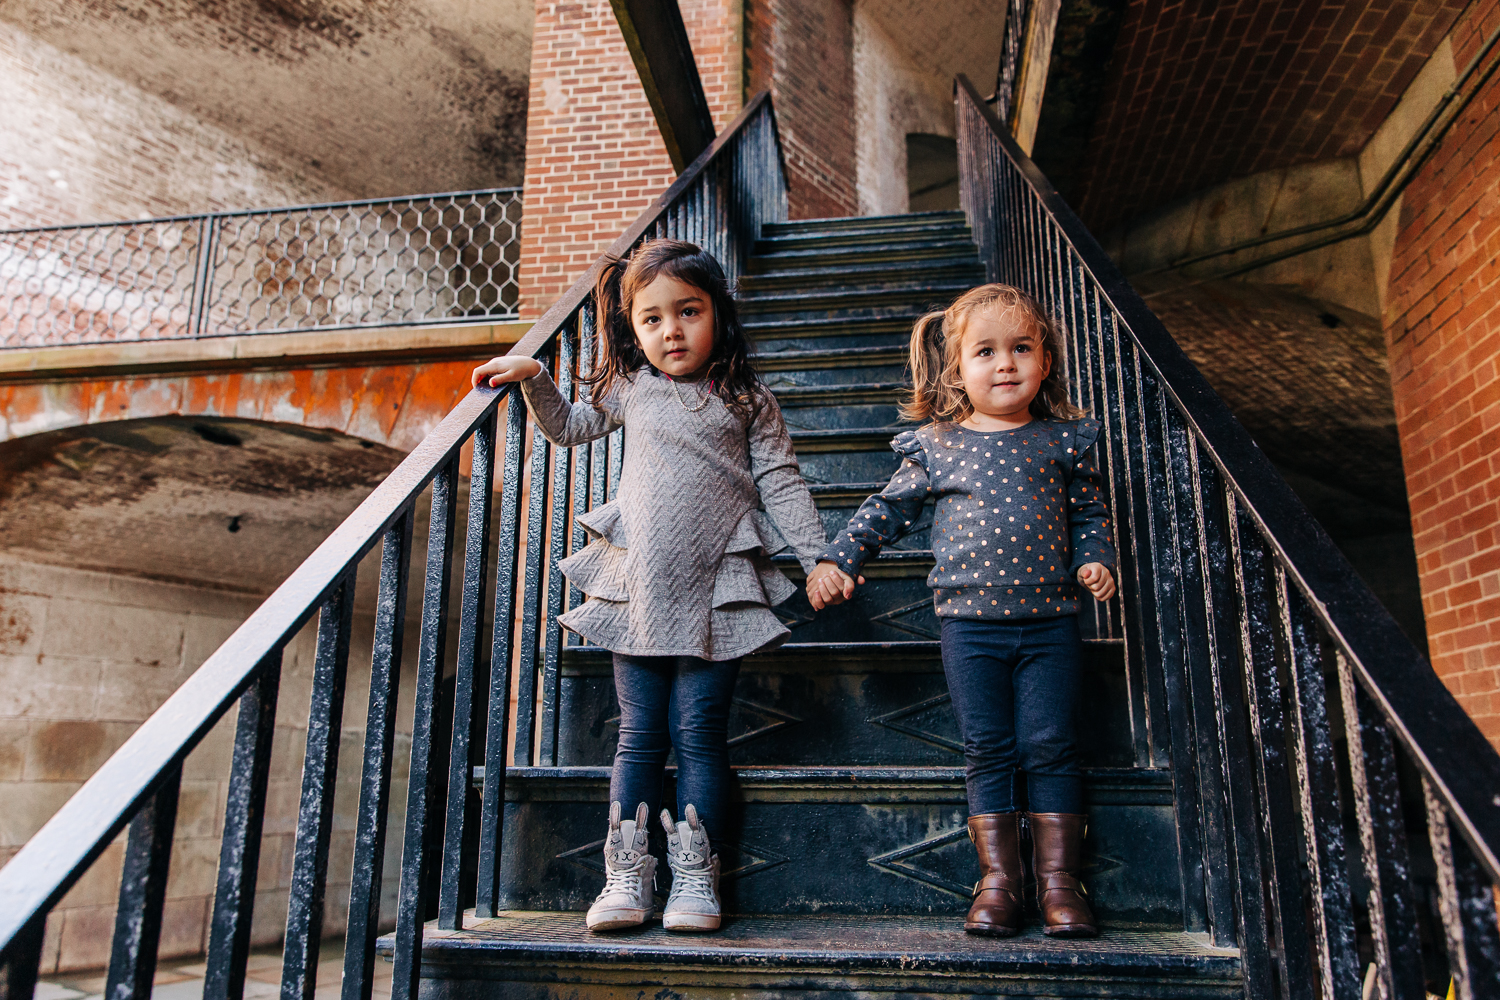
x=395, y=262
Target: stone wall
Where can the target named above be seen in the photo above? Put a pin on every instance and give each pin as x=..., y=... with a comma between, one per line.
x=78, y=145
x=1442, y=322
x=84, y=658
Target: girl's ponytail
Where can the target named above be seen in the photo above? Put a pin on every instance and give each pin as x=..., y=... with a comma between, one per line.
x=616, y=351
x=928, y=359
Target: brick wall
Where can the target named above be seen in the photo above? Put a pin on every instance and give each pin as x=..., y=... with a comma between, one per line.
x=1442, y=324
x=78, y=145
x=1202, y=93
x=803, y=52
x=594, y=156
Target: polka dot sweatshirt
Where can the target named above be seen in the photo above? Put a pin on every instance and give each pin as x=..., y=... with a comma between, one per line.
x=1016, y=514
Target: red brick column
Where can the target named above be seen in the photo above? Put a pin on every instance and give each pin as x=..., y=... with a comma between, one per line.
x=1443, y=329
x=594, y=156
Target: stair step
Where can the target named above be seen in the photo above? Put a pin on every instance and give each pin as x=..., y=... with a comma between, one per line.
x=848, y=357
x=540, y=954
x=840, y=395
x=867, y=238
x=879, y=275
x=845, y=439
x=856, y=223
x=773, y=334
x=816, y=256
x=890, y=564
x=886, y=302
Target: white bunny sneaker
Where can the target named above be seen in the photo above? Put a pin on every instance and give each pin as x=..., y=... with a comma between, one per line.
x=693, y=904
x=629, y=875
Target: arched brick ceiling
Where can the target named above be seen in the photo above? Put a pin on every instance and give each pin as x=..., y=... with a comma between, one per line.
x=1201, y=92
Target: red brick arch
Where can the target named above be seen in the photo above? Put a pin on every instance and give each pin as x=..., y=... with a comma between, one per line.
x=394, y=405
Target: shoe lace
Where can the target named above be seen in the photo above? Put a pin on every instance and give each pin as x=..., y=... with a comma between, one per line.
x=697, y=881
x=626, y=878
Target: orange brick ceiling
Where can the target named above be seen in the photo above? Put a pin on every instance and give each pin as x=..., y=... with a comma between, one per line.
x=1203, y=92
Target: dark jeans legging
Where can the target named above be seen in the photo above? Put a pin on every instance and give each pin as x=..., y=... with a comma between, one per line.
x=681, y=703
x=1015, y=690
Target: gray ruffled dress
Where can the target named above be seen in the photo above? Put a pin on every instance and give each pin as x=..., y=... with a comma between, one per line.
x=679, y=562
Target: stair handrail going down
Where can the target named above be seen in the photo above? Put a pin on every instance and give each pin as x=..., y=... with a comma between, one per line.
x=721, y=202
x=1264, y=672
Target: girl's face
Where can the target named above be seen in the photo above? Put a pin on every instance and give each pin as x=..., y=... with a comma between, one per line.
x=674, y=324
x=1002, y=363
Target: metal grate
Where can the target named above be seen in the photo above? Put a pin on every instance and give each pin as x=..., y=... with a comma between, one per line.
x=393, y=262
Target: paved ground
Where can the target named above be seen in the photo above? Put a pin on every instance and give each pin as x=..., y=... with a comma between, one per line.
x=183, y=979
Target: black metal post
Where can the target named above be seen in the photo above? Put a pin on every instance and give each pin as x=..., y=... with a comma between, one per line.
x=143, y=892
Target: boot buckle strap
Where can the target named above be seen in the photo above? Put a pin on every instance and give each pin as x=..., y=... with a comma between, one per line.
x=995, y=880
x=1060, y=880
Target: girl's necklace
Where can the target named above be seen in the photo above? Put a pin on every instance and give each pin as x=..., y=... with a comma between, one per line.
x=691, y=409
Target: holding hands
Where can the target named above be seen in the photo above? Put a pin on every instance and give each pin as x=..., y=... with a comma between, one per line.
x=497, y=371
x=1098, y=580
x=828, y=585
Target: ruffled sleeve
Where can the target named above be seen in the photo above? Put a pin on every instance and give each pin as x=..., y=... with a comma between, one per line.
x=889, y=514
x=1088, y=513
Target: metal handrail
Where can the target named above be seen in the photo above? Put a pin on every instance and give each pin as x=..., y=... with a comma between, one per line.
x=721, y=200
x=415, y=260
x=1212, y=529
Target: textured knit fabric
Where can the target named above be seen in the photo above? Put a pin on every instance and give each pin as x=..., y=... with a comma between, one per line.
x=1016, y=514
x=680, y=562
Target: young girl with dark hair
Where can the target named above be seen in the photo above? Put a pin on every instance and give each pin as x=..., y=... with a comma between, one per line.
x=678, y=574
x=1019, y=523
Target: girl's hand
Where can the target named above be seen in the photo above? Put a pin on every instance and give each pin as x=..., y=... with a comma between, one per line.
x=507, y=369
x=1097, y=578
x=827, y=584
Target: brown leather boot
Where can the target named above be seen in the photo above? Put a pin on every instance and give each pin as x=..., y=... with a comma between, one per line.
x=997, y=905
x=1057, y=854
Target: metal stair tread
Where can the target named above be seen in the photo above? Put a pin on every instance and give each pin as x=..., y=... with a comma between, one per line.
x=790, y=260
x=886, y=943
x=846, y=222
x=919, y=288
x=842, y=776
x=855, y=273
x=842, y=392
x=847, y=438
x=851, y=357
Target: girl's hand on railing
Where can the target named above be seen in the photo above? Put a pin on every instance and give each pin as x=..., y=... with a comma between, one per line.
x=507, y=369
x=1098, y=579
x=829, y=585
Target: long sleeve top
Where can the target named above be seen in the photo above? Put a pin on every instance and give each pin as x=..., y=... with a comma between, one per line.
x=679, y=562
x=1016, y=514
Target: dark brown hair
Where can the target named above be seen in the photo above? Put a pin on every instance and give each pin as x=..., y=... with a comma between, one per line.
x=937, y=391
x=619, y=353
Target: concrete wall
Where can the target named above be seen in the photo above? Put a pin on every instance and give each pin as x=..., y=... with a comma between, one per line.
x=78, y=145
x=84, y=658
x=1442, y=322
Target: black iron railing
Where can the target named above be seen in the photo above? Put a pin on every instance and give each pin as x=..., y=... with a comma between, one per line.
x=423, y=259
x=721, y=202
x=1309, y=741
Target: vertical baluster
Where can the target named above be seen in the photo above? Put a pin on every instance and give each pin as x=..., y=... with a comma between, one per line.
x=21, y=961
x=1164, y=448
x=422, y=788
x=143, y=891
x=304, y=920
x=1199, y=660
x=1467, y=902
x=239, y=851
x=1382, y=835
x=492, y=807
x=1262, y=651
x=531, y=606
x=375, y=780
x=583, y=458
x=616, y=460
x=467, y=701
x=1218, y=548
x=556, y=546
x=1318, y=791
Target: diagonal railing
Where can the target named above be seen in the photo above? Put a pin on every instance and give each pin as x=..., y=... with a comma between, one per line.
x=422, y=259
x=721, y=201
x=1311, y=745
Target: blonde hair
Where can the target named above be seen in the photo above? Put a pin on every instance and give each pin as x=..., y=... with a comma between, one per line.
x=937, y=391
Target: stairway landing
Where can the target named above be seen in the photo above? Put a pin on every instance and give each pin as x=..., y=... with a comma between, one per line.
x=536, y=955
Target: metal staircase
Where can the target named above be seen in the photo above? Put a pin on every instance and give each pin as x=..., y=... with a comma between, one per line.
x=1283, y=795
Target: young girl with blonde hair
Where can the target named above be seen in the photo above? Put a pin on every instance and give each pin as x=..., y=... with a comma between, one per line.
x=1019, y=523
x=678, y=574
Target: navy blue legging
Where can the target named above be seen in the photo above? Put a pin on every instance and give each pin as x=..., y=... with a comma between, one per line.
x=1015, y=691
x=681, y=703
